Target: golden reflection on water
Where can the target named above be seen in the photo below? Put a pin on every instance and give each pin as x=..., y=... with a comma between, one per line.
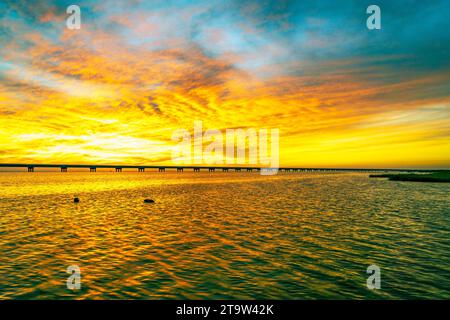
x=221, y=235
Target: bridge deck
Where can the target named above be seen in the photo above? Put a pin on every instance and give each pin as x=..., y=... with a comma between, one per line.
x=194, y=167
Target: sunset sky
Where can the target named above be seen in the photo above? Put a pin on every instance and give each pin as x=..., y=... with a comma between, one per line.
x=114, y=91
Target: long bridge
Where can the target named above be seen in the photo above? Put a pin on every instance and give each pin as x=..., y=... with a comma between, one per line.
x=180, y=168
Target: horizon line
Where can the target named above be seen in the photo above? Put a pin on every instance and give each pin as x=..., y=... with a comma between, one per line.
x=213, y=166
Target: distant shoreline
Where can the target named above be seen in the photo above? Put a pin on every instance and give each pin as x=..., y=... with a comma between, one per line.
x=440, y=176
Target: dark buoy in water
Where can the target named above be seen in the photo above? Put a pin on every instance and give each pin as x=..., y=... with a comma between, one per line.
x=149, y=201
x=76, y=200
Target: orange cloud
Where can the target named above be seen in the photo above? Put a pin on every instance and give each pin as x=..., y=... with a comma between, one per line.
x=90, y=98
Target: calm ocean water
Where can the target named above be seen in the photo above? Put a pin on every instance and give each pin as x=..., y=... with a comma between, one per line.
x=222, y=235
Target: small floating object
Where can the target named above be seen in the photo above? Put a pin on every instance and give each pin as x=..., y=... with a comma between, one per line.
x=76, y=200
x=149, y=201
